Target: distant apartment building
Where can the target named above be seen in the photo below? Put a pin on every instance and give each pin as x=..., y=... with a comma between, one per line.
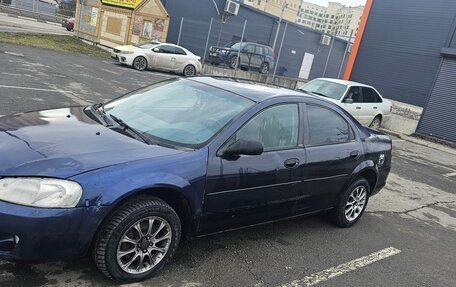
x=290, y=7
x=333, y=19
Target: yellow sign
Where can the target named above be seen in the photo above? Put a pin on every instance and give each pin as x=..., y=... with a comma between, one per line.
x=123, y=3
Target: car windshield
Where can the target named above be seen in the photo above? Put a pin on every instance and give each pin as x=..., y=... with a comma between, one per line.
x=324, y=88
x=181, y=112
x=147, y=45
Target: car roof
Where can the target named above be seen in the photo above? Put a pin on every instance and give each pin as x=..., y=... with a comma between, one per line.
x=252, y=90
x=344, y=82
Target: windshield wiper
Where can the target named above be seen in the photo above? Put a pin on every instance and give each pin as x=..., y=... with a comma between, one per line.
x=134, y=132
x=320, y=94
x=99, y=111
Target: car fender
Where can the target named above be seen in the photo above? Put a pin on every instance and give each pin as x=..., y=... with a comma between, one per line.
x=366, y=165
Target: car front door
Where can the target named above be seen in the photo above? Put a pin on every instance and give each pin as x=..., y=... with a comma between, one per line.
x=332, y=153
x=164, y=57
x=246, y=55
x=246, y=190
x=353, y=103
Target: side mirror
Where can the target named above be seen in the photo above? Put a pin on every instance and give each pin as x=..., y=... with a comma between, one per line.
x=245, y=147
x=348, y=101
x=156, y=50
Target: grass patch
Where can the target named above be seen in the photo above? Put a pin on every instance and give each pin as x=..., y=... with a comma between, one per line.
x=60, y=43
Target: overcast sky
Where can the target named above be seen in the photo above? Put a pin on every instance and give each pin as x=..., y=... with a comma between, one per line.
x=345, y=2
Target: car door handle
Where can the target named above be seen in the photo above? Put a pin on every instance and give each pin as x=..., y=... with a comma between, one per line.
x=291, y=163
x=358, y=108
x=374, y=108
x=354, y=154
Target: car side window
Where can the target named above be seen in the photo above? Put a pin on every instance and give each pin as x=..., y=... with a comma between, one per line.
x=259, y=50
x=166, y=49
x=326, y=127
x=276, y=127
x=180, y=51
x=355, y=94
x=249, y=49
x=370, y=96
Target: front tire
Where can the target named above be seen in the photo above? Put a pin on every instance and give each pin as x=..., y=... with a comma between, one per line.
x=137, y=240
x=351, y=204
x=140, y=63
x=233, y=61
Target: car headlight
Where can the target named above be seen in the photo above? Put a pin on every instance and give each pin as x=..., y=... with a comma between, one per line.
x=40, y=192
x=126, y=52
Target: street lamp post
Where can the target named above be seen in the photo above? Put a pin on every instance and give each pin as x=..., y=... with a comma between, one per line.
x=284, y=5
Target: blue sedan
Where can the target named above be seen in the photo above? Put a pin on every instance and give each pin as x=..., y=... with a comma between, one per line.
x=125, y=181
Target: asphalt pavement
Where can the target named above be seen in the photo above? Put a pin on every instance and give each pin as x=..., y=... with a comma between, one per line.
x=405, y=238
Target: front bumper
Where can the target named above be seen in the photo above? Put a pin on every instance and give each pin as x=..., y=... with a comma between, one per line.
x=42, y=234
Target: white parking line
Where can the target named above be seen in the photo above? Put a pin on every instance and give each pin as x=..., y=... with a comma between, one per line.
x=353, y=265
x=14, y=54
x=34, y=89
x=450, y=174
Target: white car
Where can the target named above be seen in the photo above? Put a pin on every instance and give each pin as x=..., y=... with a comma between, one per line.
x=362, y=101
x=160, y=56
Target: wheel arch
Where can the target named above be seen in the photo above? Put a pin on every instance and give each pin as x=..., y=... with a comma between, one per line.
x=366, y=170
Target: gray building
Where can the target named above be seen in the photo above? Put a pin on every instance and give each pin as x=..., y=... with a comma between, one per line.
x=195, y=17
x=408, y=52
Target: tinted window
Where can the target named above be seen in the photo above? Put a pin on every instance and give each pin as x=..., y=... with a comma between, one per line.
x=324, y=88
x=275, y=128
x=355, y=94
x=179, y=51
x=249, y=49
x=166, y=49
x=326, y=127
x=370, y=96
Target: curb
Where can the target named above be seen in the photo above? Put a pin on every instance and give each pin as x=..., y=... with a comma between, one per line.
x=422, y=142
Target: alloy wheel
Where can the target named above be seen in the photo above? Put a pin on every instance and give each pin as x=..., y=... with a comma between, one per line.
x=355, y=203
x=144, y=245
x=140, y=63
x=189, y=70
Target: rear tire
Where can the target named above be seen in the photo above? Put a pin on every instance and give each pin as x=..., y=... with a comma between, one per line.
x=189, y=71
x=351, y=205
x=140, y=63
x=264, y=68
x=137, y=240
x=376, y=123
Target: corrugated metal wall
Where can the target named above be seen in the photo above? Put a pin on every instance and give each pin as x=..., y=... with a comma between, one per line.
x=400, y=50
x=261, y=28
x=439, y=116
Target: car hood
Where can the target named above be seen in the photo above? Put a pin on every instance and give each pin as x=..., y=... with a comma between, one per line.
x=65, y=142
x=129, y=48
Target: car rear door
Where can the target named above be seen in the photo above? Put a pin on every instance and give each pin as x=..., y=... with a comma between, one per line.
x=372, y=104
x=332, y=153
x=181, y=59
x=251, y=189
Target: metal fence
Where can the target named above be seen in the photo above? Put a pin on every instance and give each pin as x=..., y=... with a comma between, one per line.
x=40, y=9
x=298, y=51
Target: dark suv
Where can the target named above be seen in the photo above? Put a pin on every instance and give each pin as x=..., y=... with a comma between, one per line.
x=253, y=56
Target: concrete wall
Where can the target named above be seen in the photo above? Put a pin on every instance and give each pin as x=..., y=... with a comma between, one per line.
x=261, y=28
x=400, y=50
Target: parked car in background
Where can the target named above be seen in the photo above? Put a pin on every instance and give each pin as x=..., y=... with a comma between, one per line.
x=126, y=180
x=68, y=24
x=160, y=56
x=362, y=101
x=253, y=56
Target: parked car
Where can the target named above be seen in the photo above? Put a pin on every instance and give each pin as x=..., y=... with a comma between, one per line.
x=362, y=101
x=126, y=180
x=160, y=56
x=68, y=24
x=252, y=56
